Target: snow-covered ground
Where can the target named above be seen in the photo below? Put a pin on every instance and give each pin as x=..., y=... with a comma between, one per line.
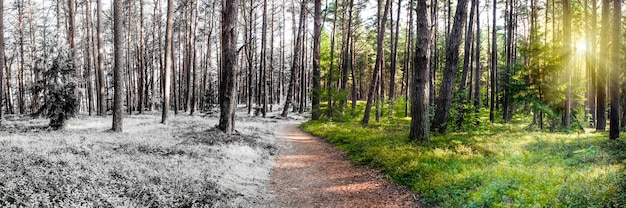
x=187, y=163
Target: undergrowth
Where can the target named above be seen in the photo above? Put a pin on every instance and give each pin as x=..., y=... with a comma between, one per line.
x=492, y=165
x=183, y=165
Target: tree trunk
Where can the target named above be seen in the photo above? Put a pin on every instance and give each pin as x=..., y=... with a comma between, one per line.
x=2, y=58
x=602, y=68
x=394, y=58
x=494, y=66
x=263, y=62
x=229, y=66
x=345, y=66
x=467, y=50
x=89, y=58
x=382, y=20
x=22, y=88
x=478, y=72
x=332, y=66
x=169, y=61
x=117, y=80
x=317, y=30
x=506, y=110
x=444, y=102
x=420, y=79
x=296, y=61
x=101, y=70
x=614, y=83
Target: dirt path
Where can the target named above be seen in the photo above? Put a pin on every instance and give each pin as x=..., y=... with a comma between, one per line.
x=309, y=172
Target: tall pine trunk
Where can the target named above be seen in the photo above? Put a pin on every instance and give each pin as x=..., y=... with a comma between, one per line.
x=567, y=43
x=382, y=21
x=296, y=62
x=169, y=61
x=602, y=68
x=228, y=75
x=614, y=82
x=117, y=72
x=494, y=66
x=317, y=30
x=444, y=101
x=420, y=79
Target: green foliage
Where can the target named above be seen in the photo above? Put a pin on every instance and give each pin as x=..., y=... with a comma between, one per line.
x=493, y=165
x=58, y=85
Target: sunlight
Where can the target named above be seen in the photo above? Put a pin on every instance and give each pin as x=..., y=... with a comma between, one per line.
x=581, y=46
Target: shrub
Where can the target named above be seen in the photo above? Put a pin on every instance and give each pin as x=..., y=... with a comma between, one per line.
x=58, y=85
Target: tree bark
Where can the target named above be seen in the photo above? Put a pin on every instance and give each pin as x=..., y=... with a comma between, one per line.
x=169, y=61
x=117, y=80
x=347, y=56
x=317, y=30
x=444, y=102
x=614, y=83
x=420, y=79
x=227, y=97
x=101, y=70
x=332, y=66
x=394, y=58
x=382, y=20
x=21, y=76
x=478, y=72
x=494, y=65
x=296, y=61
x=602, y=68
x=263, y=62
x=89, y=58
x=2, y=58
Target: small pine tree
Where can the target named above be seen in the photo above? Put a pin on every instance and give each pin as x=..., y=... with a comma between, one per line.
x=58, y=84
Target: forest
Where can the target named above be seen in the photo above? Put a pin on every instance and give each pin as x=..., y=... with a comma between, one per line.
x=208, y=103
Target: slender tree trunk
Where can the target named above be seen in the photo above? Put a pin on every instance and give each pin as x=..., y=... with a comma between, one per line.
x=593, y=62
x=407, y=59
x=382, y=20
x=469, y=40
x=603, y=68
x=494, y=65
x=444, y=102
x=227, y=98
x=506, y=110
x=141, y=58
x=317, y=30
x=263, y=62
x=89, y=58
x=420, y=86
x=614, y=82
x=345, y=66
x=296, y=61
x=478, y=72
x=332, y=66
x=72, y=44
x=117, y=80
x=169, y=61
x=101, y=70
x=2, y=58
x=22, y=88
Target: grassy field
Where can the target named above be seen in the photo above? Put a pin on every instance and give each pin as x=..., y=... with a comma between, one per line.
x=149, y=165
x=493, y=165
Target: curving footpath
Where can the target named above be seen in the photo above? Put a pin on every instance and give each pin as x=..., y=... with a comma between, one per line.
x=309, y=172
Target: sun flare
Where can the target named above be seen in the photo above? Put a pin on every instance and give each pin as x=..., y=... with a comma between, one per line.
x=581, y=46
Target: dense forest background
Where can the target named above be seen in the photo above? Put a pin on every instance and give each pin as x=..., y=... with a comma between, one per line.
x=444, y=61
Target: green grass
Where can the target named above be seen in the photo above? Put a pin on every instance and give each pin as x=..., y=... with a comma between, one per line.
x=493, y=165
